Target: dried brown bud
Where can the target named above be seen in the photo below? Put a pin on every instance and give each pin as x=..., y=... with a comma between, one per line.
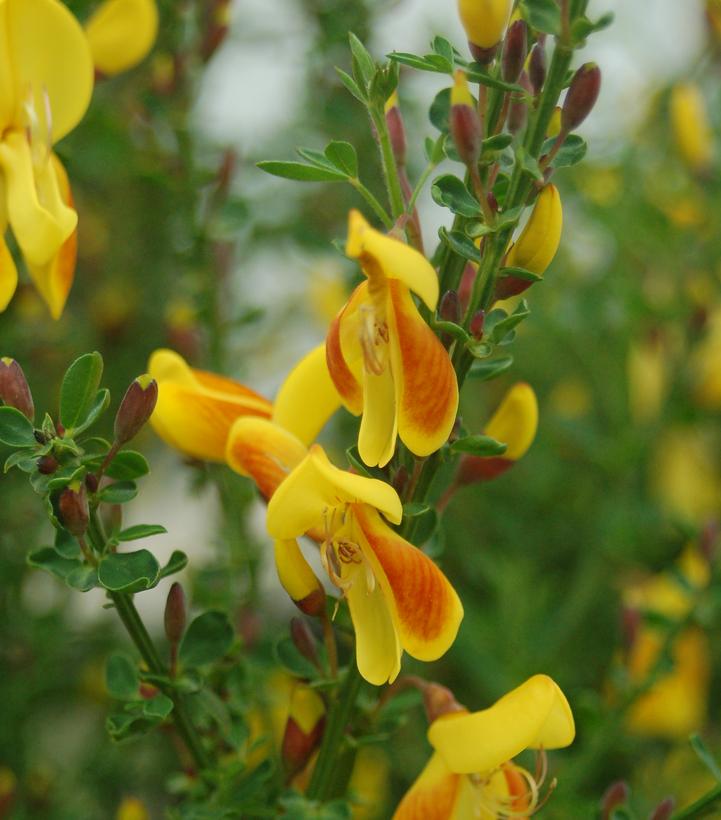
x=136, y=408
x=477, y=323
x=439, y=700
x=73, y=506
x=615, y=795
x=581, y=96
x=304, y=640
x=514, y=51
x=537, y=68
x=175, y=614
x=47, y=464
x=14, y=388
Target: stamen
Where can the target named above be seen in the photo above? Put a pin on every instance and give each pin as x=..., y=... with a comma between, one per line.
x=370, y=341
x=516, y=805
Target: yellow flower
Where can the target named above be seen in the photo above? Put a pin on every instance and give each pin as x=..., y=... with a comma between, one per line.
x=484, y=20
x=121, y=33
x=537, y=245
x=132, y=809
x=382, y=576
x=691, y=129
x=46, y=80
x=385, y=361
x=303, y=729
x=469, y=774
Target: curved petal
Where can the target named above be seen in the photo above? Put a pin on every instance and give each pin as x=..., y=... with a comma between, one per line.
x=316, y=486
x=515, y=421
x=307, y=398
x=39, y=218
x=426, y=609
x=8, y=101
x=379, y=424
x=8, y=275
x=343, y=352
x=49, y=55
x=392, y=258
x=297, y=578
x=425, y=380
x=536, y=714
x=54, y=280
x=263, y=450
x=121, y=33
x=433, y=795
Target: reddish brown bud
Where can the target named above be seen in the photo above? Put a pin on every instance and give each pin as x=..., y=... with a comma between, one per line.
x=174, y=619
x=465, y=124
x=514, y=51
x=581, y=96
x=450, y=307
x=14, y=388
x=136, y=408
x=91, y=483
x=47, y=464
x=400, y=480
x=664, y=810
x=482, y=55
x=537, y=68
x=518, y=110
x=304, y=640
x=630, y=625
x=708, y=540
x=439, y=700
x=73, y=506
x=465, y=289
x=616, y=795
x=477, y=323
x=396, y=129
x=481, y=468
x=509, y=286
x=304, y=728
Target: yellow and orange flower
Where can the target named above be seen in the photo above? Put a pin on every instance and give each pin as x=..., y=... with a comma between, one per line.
x=46, y=81
x=470, y=774
x=382, y=576
x=385, y=361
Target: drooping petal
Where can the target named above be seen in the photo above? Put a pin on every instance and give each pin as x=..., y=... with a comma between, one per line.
x=121, y=33
x=297, y=578
x=8, y=275
x=425, y=380
x=196, y=409
x=433, y=795
x=378, y=650
x=536, y=714
x=343, y=351
x=49, y=55
x=263, y=450
x=39, y=218
x=307, y=398
x=8, y=101
x=537, y=245
x=315, y=486
x=54, y=280
x=425, y=608
x=515, y=421
x=379, y=425
x=382, y=255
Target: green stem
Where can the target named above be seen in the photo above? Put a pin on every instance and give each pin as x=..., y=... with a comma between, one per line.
x=376, y=206
x=419, y=186
x=700, y=806
x=323, y=781
x=390, y=171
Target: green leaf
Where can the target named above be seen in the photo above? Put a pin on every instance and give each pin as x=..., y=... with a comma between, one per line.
x=300, y=171
x=64, y=476
x=288, y=656
x=425, y=520
x=542, y=15
x=343, y=156
x=118, y=493
x=121, y=677
x=67, y=545
x=705, y=756
x=78, y=390
x=480, y=350
x=477, y=73
x=208, y=638
x=458, y=332
x=140, y=531
x=351, y=85
x=128, y=465
x=364, y=67
x=571, y=152
x=461, y=244
x=529, y=164
x=520, y=273
x=479, y=445
x=15, y=429
x=158, y=707
x=442, y=47
x=496, y=143
x=436, y=63
x=450, y=192
x=356, y=462
x=497, y=330
x=177, y=561
x=129, y=572
x=24, y=459
x=98, y=407
x=51, y=561
x=83, y=578
x=440, y=109
x=487, y=370
x=582, y=27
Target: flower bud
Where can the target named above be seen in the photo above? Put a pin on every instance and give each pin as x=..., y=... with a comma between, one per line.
x=538, y=242
x=132, y=809
x=465, y=124
x=514, y=51
x=298, y=579
x=73, y=506
x=14, y=388
x=396, y=129
x=581, y=96
x=518, y=110
x=174, y=618
x=439, y=700
x=477, y=324
x=304, y=640
x=664, y=810
x=136, y=408
x=691, y=130
x=616, y=795
x=303, y=729
x=47, y=464
x=537, y=68
x=450, y=307
x=484, y=21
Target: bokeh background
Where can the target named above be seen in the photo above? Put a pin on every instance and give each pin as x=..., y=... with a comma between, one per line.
x=185, y=243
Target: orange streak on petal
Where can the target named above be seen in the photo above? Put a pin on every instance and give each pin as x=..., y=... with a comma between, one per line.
x=223, y=384
x=517, y=788
x=345, y=382
x=427, y=609
x=432, y=796
x=428, y=399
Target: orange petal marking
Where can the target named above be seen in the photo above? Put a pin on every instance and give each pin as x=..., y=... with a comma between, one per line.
x=343, y=378
x=432, y=796
x=425, y=379
x=427, y=610
x=517, y=788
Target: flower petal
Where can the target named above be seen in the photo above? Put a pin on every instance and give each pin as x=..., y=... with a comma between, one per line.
x=8, y=274
x=515, y=421
x=315, y=486
x=49, y=54
x=426, y=609
x=433, y=795
x=297, y=578
x=425, y=379
x=121, y=33
x=537, y=245
x=391, y=258
x=196, y=409
x=343, y=351
x=379, y=424
x=536, y=714
x=263, y=450
x=307, y=398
